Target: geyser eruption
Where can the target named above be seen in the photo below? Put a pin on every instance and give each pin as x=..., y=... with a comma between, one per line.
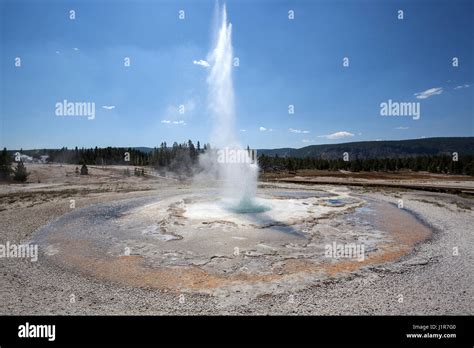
x=221, y=90
x=235, y=168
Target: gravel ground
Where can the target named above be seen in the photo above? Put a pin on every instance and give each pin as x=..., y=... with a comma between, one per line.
x=431, y=280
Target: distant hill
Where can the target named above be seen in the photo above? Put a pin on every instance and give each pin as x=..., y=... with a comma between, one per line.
x=361, y=150
x=380, y=149
x=144, y=149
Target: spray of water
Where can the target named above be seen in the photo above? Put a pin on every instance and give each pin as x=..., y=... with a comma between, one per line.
x=239, y=177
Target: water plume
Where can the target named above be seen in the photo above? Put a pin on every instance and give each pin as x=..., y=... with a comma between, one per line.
x=238, y=174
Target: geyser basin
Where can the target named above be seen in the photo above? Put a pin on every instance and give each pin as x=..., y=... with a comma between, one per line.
x=187, y=239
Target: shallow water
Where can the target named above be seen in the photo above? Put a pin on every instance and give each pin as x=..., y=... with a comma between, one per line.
x=247, y=206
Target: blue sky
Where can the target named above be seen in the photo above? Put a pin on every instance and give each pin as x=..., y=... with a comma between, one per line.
x=282, y=62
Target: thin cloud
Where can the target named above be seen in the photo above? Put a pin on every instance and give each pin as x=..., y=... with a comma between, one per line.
x=402, y=128
x=243, y=130
x=180, y=122
x=201, y=62
x=337, y=135
x=292, y=130
x=108, y=107
x=462, y=86
x=75, y=49
x=429, y=93
x=262, y=129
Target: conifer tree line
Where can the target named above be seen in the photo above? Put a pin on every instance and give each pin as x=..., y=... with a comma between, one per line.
x=180, y=158
x=162, y=156
x=183, y=159
x=433, y=164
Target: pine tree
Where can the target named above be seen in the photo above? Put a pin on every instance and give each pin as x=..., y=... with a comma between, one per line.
x=84, y=170
x=5, y=165
x=19, y=173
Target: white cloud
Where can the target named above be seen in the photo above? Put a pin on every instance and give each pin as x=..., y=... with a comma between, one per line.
x=243, y=130
x=298, y=131
x=108, y=107
x=202, y=63
x=337, y=135
x=462, y=86
x=401, y=127
x=180, y=122
x=75, y=49
x=429, y=93
x=307, y=141
x=262, y=129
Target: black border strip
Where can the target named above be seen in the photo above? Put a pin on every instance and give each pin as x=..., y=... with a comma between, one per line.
x=259, y=330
